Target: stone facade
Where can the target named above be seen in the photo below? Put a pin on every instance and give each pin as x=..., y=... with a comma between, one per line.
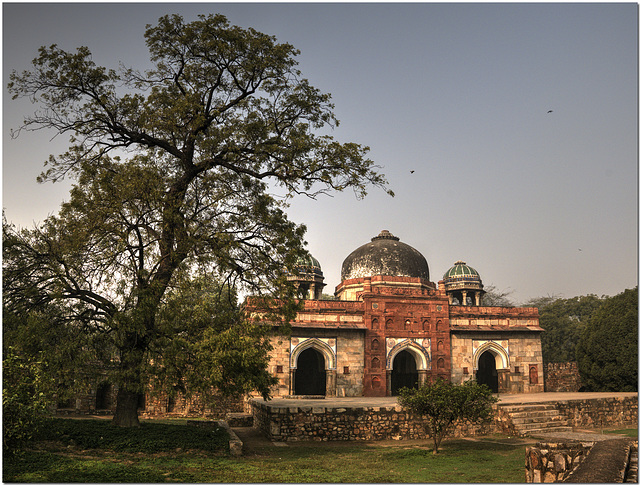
x=381, y=324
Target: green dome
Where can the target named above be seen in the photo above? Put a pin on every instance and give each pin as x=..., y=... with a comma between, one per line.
x=308, y=264
x=461, y=272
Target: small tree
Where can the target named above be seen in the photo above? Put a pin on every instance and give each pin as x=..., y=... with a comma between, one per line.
x=443, y=403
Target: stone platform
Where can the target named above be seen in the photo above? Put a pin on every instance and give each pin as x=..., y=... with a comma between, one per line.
x=382, y=418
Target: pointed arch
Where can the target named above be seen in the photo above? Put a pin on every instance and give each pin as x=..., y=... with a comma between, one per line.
x=497, y=350
x=320, y=346
x=423, y=360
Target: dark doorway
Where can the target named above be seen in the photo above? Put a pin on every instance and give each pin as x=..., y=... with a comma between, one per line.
x=404, y=373
x=103, y=396
x=487, y=373
x=311, y=377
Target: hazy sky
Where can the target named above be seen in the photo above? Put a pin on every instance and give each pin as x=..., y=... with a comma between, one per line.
x=539, y=203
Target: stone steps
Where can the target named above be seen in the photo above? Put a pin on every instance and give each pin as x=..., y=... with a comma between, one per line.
x=536, y=418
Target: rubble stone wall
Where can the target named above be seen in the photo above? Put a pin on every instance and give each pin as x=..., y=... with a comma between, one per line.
x=553, y=462
x=603, y=412
x=562, y=377
x=317, y=423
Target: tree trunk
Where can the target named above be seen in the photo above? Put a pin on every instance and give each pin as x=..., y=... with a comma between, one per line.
x=126, y=414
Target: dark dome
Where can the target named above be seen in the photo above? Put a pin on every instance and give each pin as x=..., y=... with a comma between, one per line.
x=385, y=255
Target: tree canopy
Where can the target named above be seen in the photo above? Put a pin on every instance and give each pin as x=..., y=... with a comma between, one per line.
x=175, y=170
x=607, y=352
x=563, y=320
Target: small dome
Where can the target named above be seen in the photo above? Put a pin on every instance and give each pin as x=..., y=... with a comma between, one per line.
x=460, y=275
x=308, y=264
x=385, y=255
x=460, y=270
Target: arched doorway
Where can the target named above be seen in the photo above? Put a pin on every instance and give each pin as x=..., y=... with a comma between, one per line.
x=487, y=373
x=404, y=372
x=311, y=377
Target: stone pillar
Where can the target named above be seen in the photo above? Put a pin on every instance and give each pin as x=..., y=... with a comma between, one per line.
x=292, y=380
x=478, y=298
x=464, y=297
x=388, y=393
x=331, y=382
x=503, y=380
x=422, y=377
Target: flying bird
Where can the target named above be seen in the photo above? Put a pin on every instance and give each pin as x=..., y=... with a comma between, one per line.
x=550, y=111
x=412, y=171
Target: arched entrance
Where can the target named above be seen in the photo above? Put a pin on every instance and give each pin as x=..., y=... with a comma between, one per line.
x=487, y=372
x=404, y=372
x=311, y=377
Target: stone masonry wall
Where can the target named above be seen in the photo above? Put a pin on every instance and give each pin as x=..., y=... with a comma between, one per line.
x=318, y=423
x=603, y=412
x=562, y=377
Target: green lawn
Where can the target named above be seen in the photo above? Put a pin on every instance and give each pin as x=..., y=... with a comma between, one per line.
x=94, y=451
x=630, y=432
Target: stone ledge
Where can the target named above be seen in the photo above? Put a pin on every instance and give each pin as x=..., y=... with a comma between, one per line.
x=235, y=444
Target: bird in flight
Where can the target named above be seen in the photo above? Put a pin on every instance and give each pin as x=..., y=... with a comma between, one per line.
x=412, y=171
x=550, y=111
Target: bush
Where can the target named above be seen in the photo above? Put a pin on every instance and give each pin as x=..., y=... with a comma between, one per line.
x=149, y=437
x=443, y=403
x=24, y=401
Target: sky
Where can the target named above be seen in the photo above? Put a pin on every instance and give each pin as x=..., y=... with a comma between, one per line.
x=508, y=132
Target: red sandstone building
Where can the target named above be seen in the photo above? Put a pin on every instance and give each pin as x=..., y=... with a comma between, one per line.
x=391, y=327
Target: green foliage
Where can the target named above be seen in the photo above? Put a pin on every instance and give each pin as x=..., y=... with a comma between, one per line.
x=443, y=403
x=607, y=352
x=210, y=344
x=25, y=400
x=149, y=437
x=219, y=134
x=563, y=321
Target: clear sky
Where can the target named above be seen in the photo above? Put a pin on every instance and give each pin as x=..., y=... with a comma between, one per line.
x=453, y=100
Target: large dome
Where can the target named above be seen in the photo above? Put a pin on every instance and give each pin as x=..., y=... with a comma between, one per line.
x=385, y=255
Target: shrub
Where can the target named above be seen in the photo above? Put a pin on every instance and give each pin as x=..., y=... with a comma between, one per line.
x=443, y=403
x=24, y=400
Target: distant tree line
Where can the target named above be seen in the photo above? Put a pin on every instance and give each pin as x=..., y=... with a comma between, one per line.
x=600, y=333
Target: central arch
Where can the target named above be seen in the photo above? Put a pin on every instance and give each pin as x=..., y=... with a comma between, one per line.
x=311, y=376
x=487, y=372
x=404, y=372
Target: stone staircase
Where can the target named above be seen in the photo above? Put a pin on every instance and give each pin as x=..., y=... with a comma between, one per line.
x=535, y=418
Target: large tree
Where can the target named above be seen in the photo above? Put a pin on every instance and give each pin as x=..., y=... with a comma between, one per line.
x=607, y=352
x=174, y=169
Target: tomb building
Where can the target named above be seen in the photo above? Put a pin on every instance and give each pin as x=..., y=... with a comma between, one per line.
x=390, y=327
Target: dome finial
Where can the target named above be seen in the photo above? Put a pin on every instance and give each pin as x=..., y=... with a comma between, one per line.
x=384, y=234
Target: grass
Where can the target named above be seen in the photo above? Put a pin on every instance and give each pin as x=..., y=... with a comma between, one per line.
x=94, y=451
x=630, y=432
